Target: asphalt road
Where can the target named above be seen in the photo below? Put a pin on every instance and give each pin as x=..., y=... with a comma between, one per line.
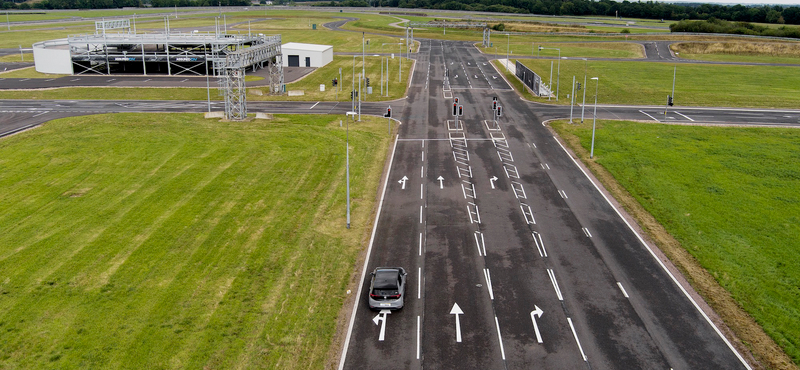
x=515, y=259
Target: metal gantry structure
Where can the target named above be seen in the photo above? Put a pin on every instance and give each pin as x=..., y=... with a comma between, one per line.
x=217, y=53
x=487, y=37
x=448, y=24
x=232, y=71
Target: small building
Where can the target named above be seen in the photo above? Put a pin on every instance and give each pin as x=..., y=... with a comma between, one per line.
x=296, y=54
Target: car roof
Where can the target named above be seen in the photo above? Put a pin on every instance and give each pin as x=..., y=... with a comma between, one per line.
x=386, y=279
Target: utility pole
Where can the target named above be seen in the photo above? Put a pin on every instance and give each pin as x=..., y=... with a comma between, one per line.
x=572, y=100
x=347, y=161
x=585, y=68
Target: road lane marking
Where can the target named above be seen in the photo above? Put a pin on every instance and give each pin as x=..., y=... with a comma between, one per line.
x=500, y=338
x=315, y=104
x=654, y=119
x=488, y=277
x=563, y=194
x=522, y=207
x=684, y=116
x=420, y=190
x=555, y=284
x=418, y=344
x=420, y=214
x=622, y=289
x=419, y=282
x=423, y=156
x=586, y=231
x=457, y=311
x=537, y=238
x=537, y=312
x=420, y=244
x=576, y=338
x=422, y=172
x=477, y=243
x=37, y=115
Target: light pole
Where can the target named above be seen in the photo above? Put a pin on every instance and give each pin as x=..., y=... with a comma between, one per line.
x=347, y=161
x=594, y=116
x=558, y=77
x=508, y=48
x=585, y=68
x=353, y=90
x=572, y=99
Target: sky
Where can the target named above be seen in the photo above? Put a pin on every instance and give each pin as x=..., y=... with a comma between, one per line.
x=734, y=2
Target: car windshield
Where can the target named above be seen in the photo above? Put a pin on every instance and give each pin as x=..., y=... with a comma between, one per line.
x=386, y=279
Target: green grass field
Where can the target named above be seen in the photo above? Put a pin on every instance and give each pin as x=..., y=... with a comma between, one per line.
x=696, y=84
x=170, y=241
x=729, y=196
x=574, y=50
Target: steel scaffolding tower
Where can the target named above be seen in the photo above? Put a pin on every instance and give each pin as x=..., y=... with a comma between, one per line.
x=232, y=74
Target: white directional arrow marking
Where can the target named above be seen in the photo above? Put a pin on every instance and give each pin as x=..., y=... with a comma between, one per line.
x=441, y=186
x=492, y=180
x=382, y=318
x=403, y=182
x=537, y=312
x=457, y=311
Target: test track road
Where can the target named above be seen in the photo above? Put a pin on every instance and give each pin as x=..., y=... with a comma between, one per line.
x=515, y=258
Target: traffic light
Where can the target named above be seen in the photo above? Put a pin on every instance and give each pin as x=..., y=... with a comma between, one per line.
x=388, y=112
x=669, y=100
x=579, y=87
x=460, y=110
x=494, y=103
x=353, y=94
x=367, y=81
x=499, y=111
x=335, y=82
x=455, y=100
x=455, y=109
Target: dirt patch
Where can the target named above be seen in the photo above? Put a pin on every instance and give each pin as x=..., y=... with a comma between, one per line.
x=760, y=351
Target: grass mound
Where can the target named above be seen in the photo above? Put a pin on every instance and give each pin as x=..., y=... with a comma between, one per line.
x=170, y=241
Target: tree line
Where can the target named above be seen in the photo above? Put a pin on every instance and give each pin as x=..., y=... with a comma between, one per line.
x=110, y=4
x=776, y=14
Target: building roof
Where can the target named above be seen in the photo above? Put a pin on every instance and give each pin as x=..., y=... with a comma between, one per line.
x=307, y=47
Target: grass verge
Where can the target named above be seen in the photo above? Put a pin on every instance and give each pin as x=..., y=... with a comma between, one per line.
x=170, y=241
x=749, y=52
x=722, y=204
x=696, y=84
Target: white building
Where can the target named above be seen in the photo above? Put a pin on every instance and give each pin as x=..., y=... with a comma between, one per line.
x=296, y=54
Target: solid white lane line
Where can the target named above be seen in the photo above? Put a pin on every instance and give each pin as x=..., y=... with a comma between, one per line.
x=419, y=282
x=488, y=277
x=477, y=243
x=684, y=116
x=555, y=284
x=500, y=338
x=658, y=260
x=420, y=244
x=623, y=290
x=586, y=231
x=315, y=104
x=576, y=338
x=483, y=243
x=643, y=112
x=418, y=337
x=366, y=264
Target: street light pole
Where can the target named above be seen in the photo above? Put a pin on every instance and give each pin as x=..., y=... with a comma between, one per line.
x=572, y=100
x=585, y=67
x=594, y=116
x=347, y=161
x=558, y=77
x=508, y=48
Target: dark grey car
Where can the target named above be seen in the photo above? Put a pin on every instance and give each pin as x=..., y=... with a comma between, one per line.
x=387, y=288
